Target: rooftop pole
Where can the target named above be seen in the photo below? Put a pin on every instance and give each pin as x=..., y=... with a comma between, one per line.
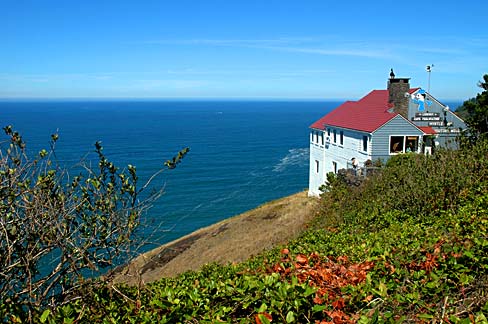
x=429, y=70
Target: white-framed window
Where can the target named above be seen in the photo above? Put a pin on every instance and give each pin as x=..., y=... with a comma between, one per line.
x=335, y=136
x=322, y=137
x=403, y=144
x=341, y=138
x=334, y=165
x=317, y=166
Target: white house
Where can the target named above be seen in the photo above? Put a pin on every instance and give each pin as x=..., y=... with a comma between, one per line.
x=381, y=124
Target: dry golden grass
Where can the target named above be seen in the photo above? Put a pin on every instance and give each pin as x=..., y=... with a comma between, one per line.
x=232, y=240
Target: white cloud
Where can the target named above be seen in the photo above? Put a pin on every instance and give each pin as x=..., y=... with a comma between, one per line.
x=227, y=42
x=310, y=45
x=38, y=78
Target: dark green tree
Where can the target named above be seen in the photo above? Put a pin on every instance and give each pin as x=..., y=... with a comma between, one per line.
x=56, y=228
x=475, y=111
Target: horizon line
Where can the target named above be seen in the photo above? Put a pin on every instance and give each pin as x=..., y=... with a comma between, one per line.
x=171, y=98
x=188, y=99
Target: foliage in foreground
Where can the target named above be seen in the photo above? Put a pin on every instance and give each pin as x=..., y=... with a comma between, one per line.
x=408, y=246
x=56, y=228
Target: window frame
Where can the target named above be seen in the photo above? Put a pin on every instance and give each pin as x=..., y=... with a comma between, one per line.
x=404, y=140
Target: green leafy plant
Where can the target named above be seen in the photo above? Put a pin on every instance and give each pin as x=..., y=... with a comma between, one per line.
x=55, y=229
x=475, y=112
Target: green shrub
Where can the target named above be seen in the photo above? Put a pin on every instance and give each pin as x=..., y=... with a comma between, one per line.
x=56, y=229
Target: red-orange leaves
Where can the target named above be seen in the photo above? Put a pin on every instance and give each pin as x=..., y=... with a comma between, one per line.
x=339, y=317
x=263, y=318
x=430, y=262
x=328, y=276
x=302, y=259
x=339, y=303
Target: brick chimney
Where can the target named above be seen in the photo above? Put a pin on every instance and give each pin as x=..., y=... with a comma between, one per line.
x=397, y=88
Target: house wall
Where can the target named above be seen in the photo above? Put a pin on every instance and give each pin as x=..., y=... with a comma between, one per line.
x=334, y=152
x=380, y=141
x=442, y=120
x=352, y=147
x=317, y=176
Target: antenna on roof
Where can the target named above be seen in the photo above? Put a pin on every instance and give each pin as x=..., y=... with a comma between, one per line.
x=429, y=70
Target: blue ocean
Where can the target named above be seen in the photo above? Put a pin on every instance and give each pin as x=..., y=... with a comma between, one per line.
x=242, y=153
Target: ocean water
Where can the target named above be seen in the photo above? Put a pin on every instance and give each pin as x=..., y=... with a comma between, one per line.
x=242, y=153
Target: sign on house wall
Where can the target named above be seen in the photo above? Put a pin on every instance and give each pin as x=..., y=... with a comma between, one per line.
x=421, y=100
x=424, y=110
x=432, y=118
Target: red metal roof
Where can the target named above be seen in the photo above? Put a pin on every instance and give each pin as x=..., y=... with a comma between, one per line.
x=428, y=130
x=367, y=114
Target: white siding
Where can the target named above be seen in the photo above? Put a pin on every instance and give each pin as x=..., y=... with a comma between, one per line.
x=331, y=153
x=317, y=158
x=352, y=147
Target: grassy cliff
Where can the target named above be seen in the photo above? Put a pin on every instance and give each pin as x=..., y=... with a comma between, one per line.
x=408, y=245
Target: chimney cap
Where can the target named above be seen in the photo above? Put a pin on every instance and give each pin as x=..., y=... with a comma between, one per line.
x=399, y=80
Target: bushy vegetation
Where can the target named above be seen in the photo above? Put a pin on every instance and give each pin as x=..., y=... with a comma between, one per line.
x=56, y=229
x=475, y=111
x=409, y=245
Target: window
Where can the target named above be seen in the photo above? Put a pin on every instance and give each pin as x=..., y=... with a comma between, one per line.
x=328, y=132
x=334, y=165
x=411, y=144
x=335, y=136
x=396, y=144
x=341, y=137
x=322, y=138
x=402, y=144
x=365, y=143
x=317, y=166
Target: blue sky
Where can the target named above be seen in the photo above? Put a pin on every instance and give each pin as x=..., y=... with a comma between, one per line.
x=238, y=48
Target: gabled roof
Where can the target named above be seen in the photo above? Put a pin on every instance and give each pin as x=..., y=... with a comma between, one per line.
x=367, y=114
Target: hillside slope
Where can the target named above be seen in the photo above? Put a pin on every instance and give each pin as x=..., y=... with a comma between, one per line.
x=231, y=240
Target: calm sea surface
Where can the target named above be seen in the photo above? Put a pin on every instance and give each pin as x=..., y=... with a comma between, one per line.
x=243, y=153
